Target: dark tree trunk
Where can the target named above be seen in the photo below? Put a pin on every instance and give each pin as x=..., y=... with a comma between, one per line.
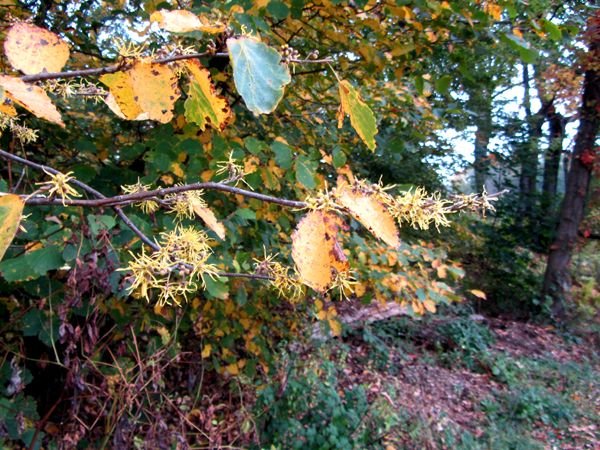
x=483, y=122
x=552, y=162
x=553, y=153
x=557, y=280
x=530, y=150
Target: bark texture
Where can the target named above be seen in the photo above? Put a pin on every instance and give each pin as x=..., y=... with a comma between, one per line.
x=557, y=280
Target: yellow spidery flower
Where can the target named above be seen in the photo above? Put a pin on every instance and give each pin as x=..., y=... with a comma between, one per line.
x=59, y=186
x=176, y=269
x=147, y=206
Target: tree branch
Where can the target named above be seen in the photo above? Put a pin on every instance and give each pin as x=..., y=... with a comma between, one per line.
x=123, y=65
x=127, y=199
x=145, y=239
x=127, y=220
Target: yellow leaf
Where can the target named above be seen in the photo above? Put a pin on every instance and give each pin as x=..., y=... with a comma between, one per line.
x=368, y=210
x=11, y=208
x=121, y=99
x=209, y=218
x=32, y=98
x=429, y=305
x=322, y=315
x=32, y=49
x=177, y=21
x=362, y=118
x=206, y=351
x=211, y=27
x=177, y=170
x=8, y=109
x=479, y=294
x=203, y=105
x=493, y=10
x=182, y=21
x=335, y=326
x=155, y=89
x=360, y=289
x=316, y=251
x=232, y=369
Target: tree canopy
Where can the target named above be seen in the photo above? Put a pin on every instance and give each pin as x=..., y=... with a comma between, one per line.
x=214, y=176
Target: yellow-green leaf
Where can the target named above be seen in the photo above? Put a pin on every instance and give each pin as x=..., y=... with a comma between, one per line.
x=32, y=49
x=203, y=106
x=11, y=208
x=182, y=21
x=209, y=218
x=362, y=118
x=370, y=211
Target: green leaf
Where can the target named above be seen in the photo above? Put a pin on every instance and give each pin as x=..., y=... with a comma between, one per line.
x=98, y=223
x=553, y=30
x=283, y=155
x=253, y=145
x=305, y=169
x=278, y=10
x=527, y=53
x=338, y=157
x=32, y=265
x=217, y=288
x=443, y=84
x=258, y=74
x=45, y=259
x=246, y=213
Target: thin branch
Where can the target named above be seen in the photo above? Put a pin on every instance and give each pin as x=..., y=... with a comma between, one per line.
x=110, y=69
x=127, y=220
x=127, y=199
x=86, y=188
x=123, y=65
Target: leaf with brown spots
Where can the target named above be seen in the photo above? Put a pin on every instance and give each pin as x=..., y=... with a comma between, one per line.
x=370, y=211
x=155, y=89
x=316, y=250
x=32, y=98
x=121, y=99
x=32, y=49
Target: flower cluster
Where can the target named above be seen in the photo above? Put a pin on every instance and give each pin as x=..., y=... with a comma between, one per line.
x=147, y=206
x=177, y=269
x=286, y=284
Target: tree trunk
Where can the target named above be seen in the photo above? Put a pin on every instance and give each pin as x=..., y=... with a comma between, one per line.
x=530, y=151
x=552, y=162
x=483, y=122
x=557, y=280
x=554, y=152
